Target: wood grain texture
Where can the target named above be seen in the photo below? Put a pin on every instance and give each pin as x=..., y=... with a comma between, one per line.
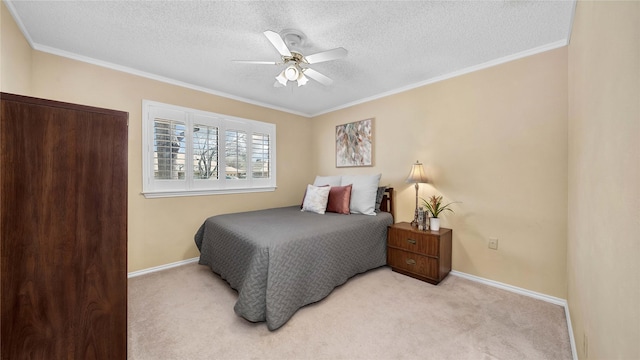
x=424, y=255
x=415, y=263
x=387, y=202
x=63, y=228
x=422, y=243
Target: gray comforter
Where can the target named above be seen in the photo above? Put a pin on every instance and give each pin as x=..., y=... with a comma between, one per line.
x=282, y=259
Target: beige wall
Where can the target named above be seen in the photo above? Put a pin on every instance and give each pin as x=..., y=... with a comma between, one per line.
x=160, y=231
x=15, y=56
x=604, y=180
x=496, y=140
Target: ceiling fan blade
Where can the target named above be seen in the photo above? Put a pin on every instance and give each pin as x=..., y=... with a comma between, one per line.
x=333, y=54
x=277, y=42
x=317, y=77
x=255, y=62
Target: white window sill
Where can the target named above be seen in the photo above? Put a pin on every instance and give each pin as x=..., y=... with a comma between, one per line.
x=178, y=193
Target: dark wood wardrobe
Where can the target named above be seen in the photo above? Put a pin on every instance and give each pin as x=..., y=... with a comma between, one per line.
x=63, y=226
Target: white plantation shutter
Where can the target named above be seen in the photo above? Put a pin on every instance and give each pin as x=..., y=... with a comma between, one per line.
x=191, y=152
x=205, y=152
x=235, y=151
x=260, y=156
x=169, y=149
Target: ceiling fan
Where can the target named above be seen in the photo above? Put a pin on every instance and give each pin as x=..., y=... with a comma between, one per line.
x=297, y=64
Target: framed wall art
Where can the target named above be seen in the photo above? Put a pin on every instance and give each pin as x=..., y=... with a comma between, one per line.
x=354, y=144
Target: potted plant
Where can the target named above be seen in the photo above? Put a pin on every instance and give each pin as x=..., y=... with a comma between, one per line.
x=435, y=207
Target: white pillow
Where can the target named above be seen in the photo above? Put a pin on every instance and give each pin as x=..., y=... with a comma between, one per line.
x=328, y=180
x=363, y=192
x=316, y=199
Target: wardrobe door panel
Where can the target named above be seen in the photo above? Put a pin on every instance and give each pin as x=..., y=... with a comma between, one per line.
x=64, y=227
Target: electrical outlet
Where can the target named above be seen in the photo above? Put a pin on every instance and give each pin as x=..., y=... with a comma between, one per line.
x=493, y=243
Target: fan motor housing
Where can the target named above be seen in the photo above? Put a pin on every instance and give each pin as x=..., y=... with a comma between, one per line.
x=295, y=57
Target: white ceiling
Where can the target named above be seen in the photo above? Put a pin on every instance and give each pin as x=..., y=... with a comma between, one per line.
x=393, y=45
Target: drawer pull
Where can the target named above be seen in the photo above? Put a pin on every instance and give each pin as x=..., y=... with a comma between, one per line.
x=411, y=241
x=411, y=262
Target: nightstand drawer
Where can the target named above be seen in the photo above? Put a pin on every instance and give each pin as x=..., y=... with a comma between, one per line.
x=414, y=263
x=422, y=243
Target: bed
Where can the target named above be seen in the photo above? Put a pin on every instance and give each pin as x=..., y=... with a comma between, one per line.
x=282, y=259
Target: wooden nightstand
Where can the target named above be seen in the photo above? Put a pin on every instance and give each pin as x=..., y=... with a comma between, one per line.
x=424, y=255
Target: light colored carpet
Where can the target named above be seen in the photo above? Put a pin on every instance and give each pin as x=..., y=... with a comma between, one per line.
x=187, y=313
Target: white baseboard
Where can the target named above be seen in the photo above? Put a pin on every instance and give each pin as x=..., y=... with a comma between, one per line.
x=515, y=289
x=529, y=293
x=574, y=352
x=161, y=267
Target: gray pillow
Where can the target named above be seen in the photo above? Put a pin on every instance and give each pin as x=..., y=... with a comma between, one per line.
x=379, y=196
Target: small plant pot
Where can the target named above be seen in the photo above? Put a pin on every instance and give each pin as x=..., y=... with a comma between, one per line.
x=434, y=224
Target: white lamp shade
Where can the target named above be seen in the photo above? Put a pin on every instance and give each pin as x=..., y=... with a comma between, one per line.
x=417, y=174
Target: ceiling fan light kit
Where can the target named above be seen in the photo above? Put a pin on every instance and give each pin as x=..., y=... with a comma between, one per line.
x=297, y=64
x=291, y=73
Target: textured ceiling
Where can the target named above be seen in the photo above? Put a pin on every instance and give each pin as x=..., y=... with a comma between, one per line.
x=392, y=45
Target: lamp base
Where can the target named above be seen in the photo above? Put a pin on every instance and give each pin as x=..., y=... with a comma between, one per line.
x=415, y=214
x=414, y=223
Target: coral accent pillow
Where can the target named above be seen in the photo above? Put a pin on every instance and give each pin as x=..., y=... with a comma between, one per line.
x=339, y=199
x=316, y=198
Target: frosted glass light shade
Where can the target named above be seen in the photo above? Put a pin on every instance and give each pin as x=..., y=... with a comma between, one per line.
x=291, y=73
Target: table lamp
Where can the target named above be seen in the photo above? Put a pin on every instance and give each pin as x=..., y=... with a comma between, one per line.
x=416, y=176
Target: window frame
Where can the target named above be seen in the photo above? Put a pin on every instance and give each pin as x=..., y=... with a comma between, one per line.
x=189, y=186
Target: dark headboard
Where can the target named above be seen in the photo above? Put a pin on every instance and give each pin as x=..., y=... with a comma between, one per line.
x=387, y=202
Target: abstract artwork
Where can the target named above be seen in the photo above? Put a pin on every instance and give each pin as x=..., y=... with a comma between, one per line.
x=354, y=144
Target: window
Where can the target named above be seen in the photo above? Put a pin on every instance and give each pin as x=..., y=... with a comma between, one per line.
x=190, y=152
